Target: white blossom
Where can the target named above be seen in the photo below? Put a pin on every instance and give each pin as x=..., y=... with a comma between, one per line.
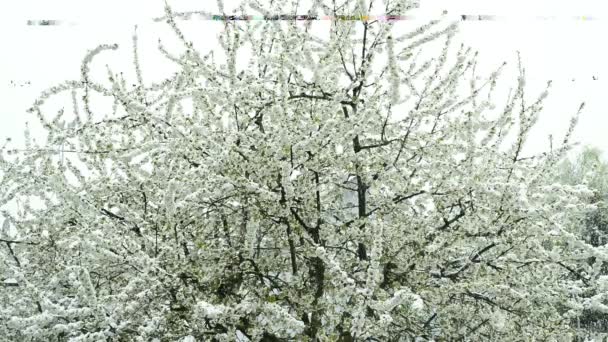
x=333, y=187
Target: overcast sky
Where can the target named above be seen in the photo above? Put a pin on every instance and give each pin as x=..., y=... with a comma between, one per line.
x=563, y=41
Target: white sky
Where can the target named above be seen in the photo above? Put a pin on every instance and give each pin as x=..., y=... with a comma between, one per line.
x=568, y=51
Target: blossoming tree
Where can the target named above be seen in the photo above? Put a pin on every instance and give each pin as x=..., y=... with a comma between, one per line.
x=334, y=189
x=590, y=168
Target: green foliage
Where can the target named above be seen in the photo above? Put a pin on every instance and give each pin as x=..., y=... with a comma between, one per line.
x=588, y=167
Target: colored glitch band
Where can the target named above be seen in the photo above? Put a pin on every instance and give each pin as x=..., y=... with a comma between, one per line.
x=365, y=18
x=312, y=17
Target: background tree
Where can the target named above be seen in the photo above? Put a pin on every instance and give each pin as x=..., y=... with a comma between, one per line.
x=590, y=168
x=334, y=189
